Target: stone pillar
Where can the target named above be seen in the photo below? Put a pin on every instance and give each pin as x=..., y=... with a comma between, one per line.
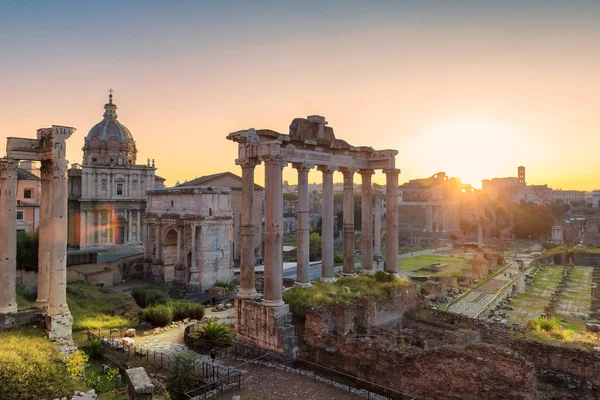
x=44, y=235
x=348, y=221
x=377, y=227
x=179, y=245
x=139, y=385
x=247, y=275
x=445, y=218
x=430, y=219
x=302, y=233
x=327, y=224
x=479, y=236
x=367, y=218
x=147, y=254
x=391, y=259
x=129, y=226
x=194, y=283
x=138, y=231
x=82, y=228
x=8, y=235
x=273, y=234
x=157, y=241
x=59, y=320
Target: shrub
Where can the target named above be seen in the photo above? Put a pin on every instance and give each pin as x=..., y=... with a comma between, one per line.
x=102, y=383
x=145, y=297
x=183, y=378
x=93, y=349
x=544, y=324
x=382, y=277
x=216, y=332
x=158, y=315
x=338, y=258
x=225, y=284
x=186, y=309
x=76, y=363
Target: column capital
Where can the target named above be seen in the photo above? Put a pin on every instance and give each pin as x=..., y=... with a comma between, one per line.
x=327, y=168
x=348, y=172
x=8, y=168
x=391, y=171
x=303, y=166
x=367, y=172
x=248, y=162
x=59, y=168
x=273, y=159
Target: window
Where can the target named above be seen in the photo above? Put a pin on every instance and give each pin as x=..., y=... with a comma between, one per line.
x=20, y=214
x=119, y=189
x=27, y=193
x=94, y=159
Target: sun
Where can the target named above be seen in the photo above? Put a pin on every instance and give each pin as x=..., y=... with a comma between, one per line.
x=471, y=148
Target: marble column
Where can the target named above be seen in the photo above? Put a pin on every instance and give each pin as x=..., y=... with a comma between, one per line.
x=8, y=235
x=147, y=253
x=138, y=231
x=327, y=224
x=377, y=227
x=445, y=218
x=348, y=221
x=366, y=220
x=130, y=226
x=157, y=241
x=194, y=283
x=247, y=275
x=59, y=321
x=82, y=228
x=302, y=233
x=179, y=245
x=273, y=274
x=44, y=235
x=391, y=258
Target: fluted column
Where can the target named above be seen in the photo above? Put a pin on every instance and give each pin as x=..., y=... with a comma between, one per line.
x=366, y=219
x=194, y=275
x=377, y=227
x=8, y=235
x=391, y=259
x=327, y=224
x=348, y=221
x=302, y=233
x=60, y=319
x=247, y=274
x=273, y=274
x=44, y=234
x=129, y=226
x=138, y=232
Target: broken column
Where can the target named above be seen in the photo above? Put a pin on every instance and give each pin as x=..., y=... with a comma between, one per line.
x=194, y=283
x=391, y=254
x=8, y=235
x=348, y=221
x=247, y=277
x=302, y=238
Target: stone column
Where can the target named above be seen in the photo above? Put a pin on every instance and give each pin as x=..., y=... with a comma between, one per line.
x=327, y=224
x=367, y=218
x=82, y=228
x=194, y=283
x=138, y=232
x=147, y=254
x=179, y=245
x=302, y=233
x=430, y=219
x=247, y=276
x=59, y=320
x=90, y=227
x=44, y=235
x=348, y=221
x=157, y=241
x=391, y=258
x=8, y=235
x=445, y=218
x=273, y=235
x=377, y=227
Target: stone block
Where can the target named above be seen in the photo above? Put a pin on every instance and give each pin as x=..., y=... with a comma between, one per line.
x=139, y=385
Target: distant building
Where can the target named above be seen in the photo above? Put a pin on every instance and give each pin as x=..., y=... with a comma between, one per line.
x=568, y=196
x=595, y=198
x=28, y=197
x=430, y=205
x=107, y=193
x=534, y=194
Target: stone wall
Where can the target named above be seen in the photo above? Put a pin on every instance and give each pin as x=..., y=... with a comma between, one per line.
x=108, y=274
x=585, y=258
x=21, y=318
x=362, y=315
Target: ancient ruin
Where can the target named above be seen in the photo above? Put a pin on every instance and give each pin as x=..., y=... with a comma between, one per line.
x=309, y=144
x=188, y=236
x=50, y=149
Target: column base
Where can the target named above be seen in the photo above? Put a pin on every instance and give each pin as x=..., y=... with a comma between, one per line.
x=59, y=326
x=328, y=280
x=11, y=309
x=369, y=271
x=303, y=284
x=273, y=303
x=247, y=294
x=348, y=275
x=41, y=304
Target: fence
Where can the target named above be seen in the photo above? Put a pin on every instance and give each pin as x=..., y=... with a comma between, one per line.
x=208, y=373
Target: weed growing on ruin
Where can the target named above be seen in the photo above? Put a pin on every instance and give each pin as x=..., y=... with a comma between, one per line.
x=343, y=291
x=225, y=284
x=552, y=330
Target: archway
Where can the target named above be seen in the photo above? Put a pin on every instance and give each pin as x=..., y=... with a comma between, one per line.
x=170, y=248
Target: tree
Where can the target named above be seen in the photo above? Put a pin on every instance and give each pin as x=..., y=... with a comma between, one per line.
x=314, y=241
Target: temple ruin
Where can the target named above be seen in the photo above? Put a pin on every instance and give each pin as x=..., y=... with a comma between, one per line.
x=309, y=144
x=50, y=149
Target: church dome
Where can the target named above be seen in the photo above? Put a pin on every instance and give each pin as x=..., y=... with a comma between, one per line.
x=109, y=141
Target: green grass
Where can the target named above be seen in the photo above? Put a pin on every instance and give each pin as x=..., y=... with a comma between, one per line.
x=343, y=291
x=30, y=367
x=449, y=266
x=94, y=307
x=589, y=250
x=555, y=250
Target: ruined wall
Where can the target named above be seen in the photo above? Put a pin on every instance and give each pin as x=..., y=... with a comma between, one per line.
x=586, y=259
x=21, y=318
x=362, y=315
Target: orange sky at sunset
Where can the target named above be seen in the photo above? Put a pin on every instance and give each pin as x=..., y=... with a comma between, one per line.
x=474, y=92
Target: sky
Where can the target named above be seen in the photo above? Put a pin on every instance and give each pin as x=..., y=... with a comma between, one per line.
x=472, y=88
